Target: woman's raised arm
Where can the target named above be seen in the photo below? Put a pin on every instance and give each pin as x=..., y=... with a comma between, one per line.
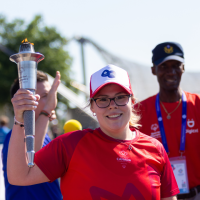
x=17, y=169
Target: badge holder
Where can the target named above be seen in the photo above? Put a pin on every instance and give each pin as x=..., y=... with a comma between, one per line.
x=180, y=172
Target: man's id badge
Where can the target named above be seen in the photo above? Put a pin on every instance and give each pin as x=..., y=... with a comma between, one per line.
x=180, y=172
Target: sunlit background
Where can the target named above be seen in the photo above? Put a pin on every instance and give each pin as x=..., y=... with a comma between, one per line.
x=129, y=29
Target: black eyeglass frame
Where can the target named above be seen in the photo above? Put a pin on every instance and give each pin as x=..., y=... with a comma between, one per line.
x=128, y=95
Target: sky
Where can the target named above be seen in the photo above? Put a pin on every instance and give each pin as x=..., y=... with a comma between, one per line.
x=129, y=29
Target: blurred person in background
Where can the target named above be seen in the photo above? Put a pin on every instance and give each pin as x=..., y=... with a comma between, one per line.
x=45, y=95
x=173, y=117
x=4, y=121
x=54, y=130
x=114, y=161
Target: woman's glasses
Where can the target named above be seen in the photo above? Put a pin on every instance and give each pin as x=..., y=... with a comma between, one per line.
x=120, y=100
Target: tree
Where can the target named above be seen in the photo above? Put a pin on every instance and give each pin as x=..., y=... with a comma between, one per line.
x=46, y=41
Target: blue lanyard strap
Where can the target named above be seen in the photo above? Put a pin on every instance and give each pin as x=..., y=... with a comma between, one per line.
x=183, y=124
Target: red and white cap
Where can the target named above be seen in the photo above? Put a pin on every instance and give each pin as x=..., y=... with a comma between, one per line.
x=107, y=75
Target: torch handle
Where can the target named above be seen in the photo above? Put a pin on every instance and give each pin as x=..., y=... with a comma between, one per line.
x=29, y=125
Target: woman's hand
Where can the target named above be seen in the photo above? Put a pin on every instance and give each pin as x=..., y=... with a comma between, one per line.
x=24, y=100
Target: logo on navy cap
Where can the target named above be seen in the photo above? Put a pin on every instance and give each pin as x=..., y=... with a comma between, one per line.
x=110, y=74
x=168, y=49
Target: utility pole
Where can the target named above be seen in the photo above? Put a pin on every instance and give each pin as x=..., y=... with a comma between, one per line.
x=82, y=41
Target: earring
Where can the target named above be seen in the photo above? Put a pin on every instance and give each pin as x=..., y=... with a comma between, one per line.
x=94, y=114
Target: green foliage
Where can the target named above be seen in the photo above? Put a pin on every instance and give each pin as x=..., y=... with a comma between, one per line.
x=46, y=41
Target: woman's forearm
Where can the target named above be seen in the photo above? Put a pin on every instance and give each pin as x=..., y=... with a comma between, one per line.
x=17, y=167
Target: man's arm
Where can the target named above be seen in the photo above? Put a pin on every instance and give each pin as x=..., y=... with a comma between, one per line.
x=41, y=128
x=42, y=122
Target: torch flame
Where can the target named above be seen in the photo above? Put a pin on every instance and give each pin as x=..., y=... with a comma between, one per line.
x=26, y=41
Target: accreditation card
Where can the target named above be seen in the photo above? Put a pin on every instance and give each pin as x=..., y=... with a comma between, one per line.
x=180, y=172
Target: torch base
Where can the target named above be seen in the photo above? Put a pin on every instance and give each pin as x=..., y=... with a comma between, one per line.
x=30, y=158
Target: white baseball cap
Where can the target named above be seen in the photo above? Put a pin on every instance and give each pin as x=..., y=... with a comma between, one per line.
x=107, y=75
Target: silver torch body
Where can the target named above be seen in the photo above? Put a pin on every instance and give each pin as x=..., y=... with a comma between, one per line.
x=27, y=60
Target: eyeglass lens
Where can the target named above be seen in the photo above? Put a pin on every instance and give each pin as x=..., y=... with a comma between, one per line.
x=119, y=100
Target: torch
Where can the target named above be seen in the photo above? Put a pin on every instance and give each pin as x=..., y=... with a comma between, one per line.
x=27, y=60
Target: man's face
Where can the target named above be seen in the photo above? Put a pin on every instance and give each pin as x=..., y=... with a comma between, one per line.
x=169, y=74
x=43, y=90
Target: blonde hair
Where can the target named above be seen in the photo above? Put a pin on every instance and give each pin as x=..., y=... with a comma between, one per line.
x=135, y=117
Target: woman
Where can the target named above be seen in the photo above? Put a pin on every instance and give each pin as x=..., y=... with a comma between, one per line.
x=113, y=162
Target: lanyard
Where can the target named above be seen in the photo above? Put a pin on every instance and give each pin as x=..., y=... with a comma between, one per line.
x=183, y=124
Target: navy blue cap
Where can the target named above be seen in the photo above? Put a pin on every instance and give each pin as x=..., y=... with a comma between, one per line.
x=167, y=51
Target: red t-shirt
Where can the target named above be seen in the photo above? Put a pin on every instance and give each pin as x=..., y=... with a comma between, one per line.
x=172, y=128
x=95, y=166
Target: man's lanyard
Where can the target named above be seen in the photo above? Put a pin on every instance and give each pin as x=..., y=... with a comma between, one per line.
x=183, y=124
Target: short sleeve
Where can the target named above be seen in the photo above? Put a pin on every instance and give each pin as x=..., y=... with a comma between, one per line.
x=52, y=160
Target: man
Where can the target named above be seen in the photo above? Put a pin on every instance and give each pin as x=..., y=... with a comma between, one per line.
x=173, y=117
x=45, y=95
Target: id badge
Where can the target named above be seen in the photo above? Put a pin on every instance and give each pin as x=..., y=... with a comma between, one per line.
x=180, y=172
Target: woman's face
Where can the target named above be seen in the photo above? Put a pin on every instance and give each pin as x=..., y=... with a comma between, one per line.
x=113, y=120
